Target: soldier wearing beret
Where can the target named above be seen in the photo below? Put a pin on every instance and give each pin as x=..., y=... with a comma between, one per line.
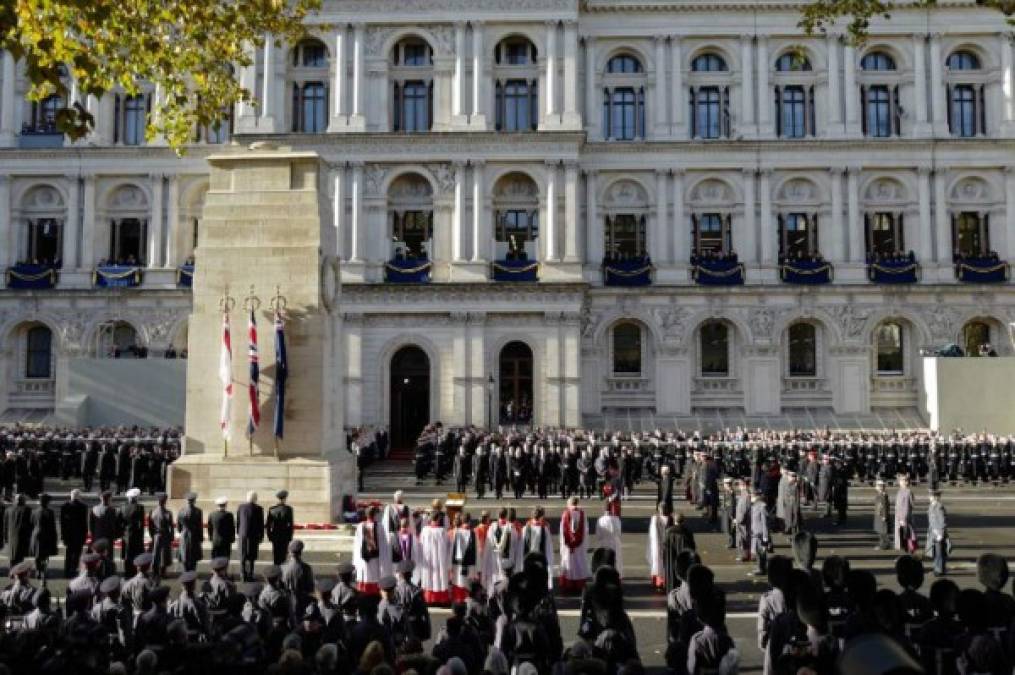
x=333, y=623
x=115, y=617
x=86, y=581
x=279, y=527
x=17, y=598
x=190, y=607
x=135, y=590
x=219, y=589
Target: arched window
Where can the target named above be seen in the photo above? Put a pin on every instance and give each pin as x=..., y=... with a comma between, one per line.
x=310, y=54
x=626, y=206
x=792, y=62
x=803, y=358
x=410, y=211
x=709, y=97
x=516, y=217
x=963, y=60
x=44, y=212
x=39, y=353
x=627, y=349
x=877, y=61
x=516, y=85
x=709, y=62
x=412, y=86
x=715, y=349
x=624, y=99
x=975, y=338
x=971, y=234
x=127, y=207
x=118, y=339
x=888, y=340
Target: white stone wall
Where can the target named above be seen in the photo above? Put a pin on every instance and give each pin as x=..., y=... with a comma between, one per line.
x=462, y=319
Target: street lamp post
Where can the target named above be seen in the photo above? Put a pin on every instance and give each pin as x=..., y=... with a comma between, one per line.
x=489, y=401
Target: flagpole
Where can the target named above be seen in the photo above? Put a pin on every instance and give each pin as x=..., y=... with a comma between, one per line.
x=251, y=304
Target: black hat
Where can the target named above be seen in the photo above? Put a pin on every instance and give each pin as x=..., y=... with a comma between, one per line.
x=159, y=594
x=110, y=585
x=685, y=559
x=992, y=571
x=272, y=572
x=779, y=568
x=346, y=567
x=805, y=549
x=406, y=567
x=143, y=559
x=188, y=577
x=325, y=585
x=701, y=580
x=909, y=572
x=219, y=563
x=282, y=494
x=387, y=583
x=106, y=494
x=160, y=496
x=190, y=496
x=296, y=546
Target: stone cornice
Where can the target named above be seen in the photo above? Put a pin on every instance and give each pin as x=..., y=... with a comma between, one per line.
x=606, y=6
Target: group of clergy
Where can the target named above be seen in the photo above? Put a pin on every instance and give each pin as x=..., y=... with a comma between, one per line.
x=453, y=557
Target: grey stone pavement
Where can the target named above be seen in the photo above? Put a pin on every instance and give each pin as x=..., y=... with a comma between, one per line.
x=981, y=518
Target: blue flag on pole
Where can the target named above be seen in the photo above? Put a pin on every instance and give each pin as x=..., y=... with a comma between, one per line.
x=281, y=375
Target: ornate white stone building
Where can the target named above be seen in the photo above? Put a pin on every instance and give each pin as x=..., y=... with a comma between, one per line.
x=577, y=131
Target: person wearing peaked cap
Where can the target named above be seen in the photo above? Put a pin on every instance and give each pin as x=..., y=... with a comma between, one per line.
x=882, y=515
x=190, y=607
x=251, y=590
x=106, y=566
x=278, y=526
x=406, y=568
x=387, y=583
x=742, y=521
x=44, y=536
x=220, y=589
x=132, y=521
x=221, y=529
x=190, y=525
x=135, y=590
x=331, y=615
x=250, y=530
x=345, y=595
x=905, y=535
x=760, y=541
x=151, y=625
x=110, y=585
x=160, y=529
x=298, y=576
x=219, y=564
x=937, y=533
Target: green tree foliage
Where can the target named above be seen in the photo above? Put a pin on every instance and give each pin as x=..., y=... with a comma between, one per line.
x=186, y=49
x=818, y=15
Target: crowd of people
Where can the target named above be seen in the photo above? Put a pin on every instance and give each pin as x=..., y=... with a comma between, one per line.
x=117, y=458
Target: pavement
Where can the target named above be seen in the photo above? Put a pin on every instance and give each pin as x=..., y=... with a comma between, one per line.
x=980, y=519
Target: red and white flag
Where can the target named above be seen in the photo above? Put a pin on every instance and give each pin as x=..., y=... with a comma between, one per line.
x=226, y=376
x=255, y=373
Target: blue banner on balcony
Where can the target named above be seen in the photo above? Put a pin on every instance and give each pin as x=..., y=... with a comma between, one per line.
x=636, y=272
x=116, y=276
x=981, y=271
x=185, y=276
x=893, y=272
x=806, y=272
x=515, y=270
x=407, y=271
x=718, y=273
x=31, y=277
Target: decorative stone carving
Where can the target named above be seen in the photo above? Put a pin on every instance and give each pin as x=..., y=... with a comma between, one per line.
x=626, y=193
x=426, y=7
x=850, y=319
x=374, y=41
x=516, y=186
x=42, y=198
x=885, y=190
x=798, y=190
x=445, y=39
x=673, y=322
x=589, y=322
x=373, y=179
x=761, y=322
x=711, y=191
x=942, y=322
x=72, y=332
x=444, y=174
x=159, y=325
x=410, y=187
x=127, y=197
x=971, y=190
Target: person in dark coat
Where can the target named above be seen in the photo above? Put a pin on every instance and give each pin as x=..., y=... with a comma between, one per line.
x=279, y=527
x=676, y=539
x=18, y=526
x=712, y=649
x=103, y=522
x=190, y=525
x=122, y=468
x=160, y=529
x=132, y=526
x=44, y=536
x=826, y=476
x=221, y=530
x=840, y=493
x=73, y=532
x=107, y=467
x=480, y=471
x=250, y=529
x=298, y=578
x=882, y=516
x=89, y=462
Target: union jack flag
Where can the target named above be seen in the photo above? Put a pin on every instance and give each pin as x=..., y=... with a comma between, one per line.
x=255, y=411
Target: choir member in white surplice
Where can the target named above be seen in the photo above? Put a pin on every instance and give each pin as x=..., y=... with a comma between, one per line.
x=393, y=514
x=574, y=536
x=537, y=538
x=464, y=558
x=608, y=531
x=662, y=519
x=434, y=564
x=503, y=545
x=371, y=554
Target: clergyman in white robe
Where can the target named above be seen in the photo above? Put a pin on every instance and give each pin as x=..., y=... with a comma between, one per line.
x=608, y=533
x=503, y=543
x=371, y=555
x=656, y=539
x=434, y=565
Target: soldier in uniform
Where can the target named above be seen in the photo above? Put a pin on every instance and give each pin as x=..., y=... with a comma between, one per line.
x=73, y=531
x=279, y=527
x=160, y=529
x=116, y=618
x=132, y=526
x=759, y=533
x=219, y=590
x=297, y=578
x=742, y=521
x=390, y=614
x=345, y=595
x=221, y=530
x=250, y=528
x=107, y=467
x=332, y=621
x=17, y=598
x=480, y=471
x=89, y=461
x=44, y=536
x=103, y=522
x=150, y=629
x=86, y=581
x=135, y=591
x=410, y=598
x=882, y=516
x=727, y=512
x=191, y=608
x=190, y=524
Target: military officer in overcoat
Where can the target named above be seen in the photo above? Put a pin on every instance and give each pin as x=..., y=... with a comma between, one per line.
x=190, y=524
x=250, y=528
x=279, y=527
x=221, y=530
x=160, y=529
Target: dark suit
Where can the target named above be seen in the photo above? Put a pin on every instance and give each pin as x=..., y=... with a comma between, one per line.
x=18, y=525
x=222, y=532
x=103, y=523
x=250, y=529
x=279, y=528
x=73, y=532
x=132, y=526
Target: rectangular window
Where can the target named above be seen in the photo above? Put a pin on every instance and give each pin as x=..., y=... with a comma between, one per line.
x=962, y=117
x=710, y=236
x=878, y=111
x=415, y=109
x=625, y=236
x=43, y=241
x=623, y=113
x=38, y=361
x=708, y=112
x=415, y=54
x=889, y=349
x=310, y=107
x=793, y=112
x=134, y=119
x=516, y=106
x=884, y=237
x=127, y=245
x=412, y=230
x=798, y=236
x=521, y=225
x=971, y=236
x=715, y=352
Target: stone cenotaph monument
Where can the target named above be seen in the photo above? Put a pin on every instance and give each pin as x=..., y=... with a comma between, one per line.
x=261, y=245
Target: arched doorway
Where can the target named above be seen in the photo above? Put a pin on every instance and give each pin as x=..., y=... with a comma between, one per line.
x=410, y=396
x=515, y=383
